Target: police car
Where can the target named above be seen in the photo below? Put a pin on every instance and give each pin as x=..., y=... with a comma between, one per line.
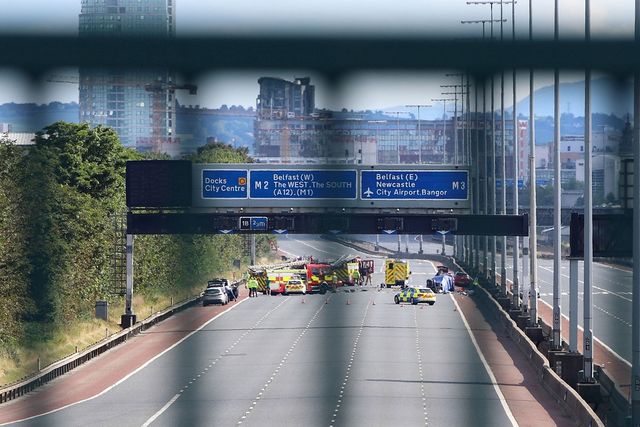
x=415, y=296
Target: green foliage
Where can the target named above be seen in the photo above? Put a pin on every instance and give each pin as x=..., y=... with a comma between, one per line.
x=175, y=264
x=14, y=268
x=57, y=204
x=217, y=152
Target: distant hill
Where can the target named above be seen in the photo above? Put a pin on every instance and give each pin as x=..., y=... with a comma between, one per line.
x=233, y=125
x=33, y=117
x=608, y=96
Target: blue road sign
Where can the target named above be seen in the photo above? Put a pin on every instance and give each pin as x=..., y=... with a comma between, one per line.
x=303, y=184
x=224, y=184
x=510, y=183
x=414, y=185
x=257, y=223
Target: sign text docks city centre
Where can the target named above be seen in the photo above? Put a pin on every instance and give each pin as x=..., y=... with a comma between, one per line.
x=257, y=185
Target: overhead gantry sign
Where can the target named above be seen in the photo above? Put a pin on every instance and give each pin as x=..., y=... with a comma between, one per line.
x=178, y=197
x=312, y=186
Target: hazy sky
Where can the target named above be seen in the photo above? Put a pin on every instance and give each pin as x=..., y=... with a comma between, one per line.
x=610, y=18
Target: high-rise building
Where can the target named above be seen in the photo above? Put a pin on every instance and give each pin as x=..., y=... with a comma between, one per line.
x=139, y=105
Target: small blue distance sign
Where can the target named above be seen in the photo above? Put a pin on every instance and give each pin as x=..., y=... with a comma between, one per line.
x=414, y=185
x=257, y=223
x=303, y=184
x=224, y=184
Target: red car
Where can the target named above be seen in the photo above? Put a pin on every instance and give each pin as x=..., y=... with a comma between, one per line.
x=462, y=279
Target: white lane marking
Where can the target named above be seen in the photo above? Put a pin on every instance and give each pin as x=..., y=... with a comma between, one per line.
x=435, y=270
x=164, y=408
x=256, y=399
x=492, y=377
x=420, y=372
x=129, y=375
x=313, y=247
x=594, y=286
x=217, y=359
x=345, y=380
x=598, y=340
x=287, y=252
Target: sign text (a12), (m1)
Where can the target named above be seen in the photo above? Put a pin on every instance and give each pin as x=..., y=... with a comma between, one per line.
x=414, y=185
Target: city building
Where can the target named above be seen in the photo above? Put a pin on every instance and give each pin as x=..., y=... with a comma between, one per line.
x=139, y=105
x=605, y=174
x=289, y=129
x=18, y=138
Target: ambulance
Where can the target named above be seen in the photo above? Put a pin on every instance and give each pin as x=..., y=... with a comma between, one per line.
x=396, y=273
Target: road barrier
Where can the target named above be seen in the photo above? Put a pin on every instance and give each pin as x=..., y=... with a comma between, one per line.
x=62, y=366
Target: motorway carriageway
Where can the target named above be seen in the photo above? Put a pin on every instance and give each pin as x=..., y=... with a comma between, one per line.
x=611, y=291
x=340, y=359
x=611, y=300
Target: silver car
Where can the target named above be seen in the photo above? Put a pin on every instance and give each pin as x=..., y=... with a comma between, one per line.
x=215, y=295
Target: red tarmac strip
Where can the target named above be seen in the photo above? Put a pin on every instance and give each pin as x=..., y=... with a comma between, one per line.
x=97, y=375
x=616, y=369
x=529, y=402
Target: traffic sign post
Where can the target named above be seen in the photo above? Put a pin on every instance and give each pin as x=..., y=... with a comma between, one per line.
x=443, y=233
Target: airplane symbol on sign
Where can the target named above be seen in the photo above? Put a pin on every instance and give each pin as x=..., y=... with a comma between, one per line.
x=368, y=193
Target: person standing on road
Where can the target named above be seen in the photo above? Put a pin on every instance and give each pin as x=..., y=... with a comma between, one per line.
x=253, y=287
x=356, y=278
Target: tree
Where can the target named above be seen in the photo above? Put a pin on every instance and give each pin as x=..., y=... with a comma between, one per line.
x=79, y=183
x=14, y=268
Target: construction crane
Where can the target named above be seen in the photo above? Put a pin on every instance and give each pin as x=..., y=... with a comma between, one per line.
x=158, y=90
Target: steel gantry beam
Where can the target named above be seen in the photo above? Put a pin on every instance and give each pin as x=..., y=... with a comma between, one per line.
x=324, y=223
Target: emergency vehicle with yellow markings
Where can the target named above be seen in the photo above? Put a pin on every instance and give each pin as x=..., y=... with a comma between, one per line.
x=396, y=273
x=278, y=281
x=261, y=272
x=345, y=267
x=415, y=296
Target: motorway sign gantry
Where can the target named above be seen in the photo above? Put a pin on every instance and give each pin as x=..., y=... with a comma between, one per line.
x=181, y=184
x=329, y=186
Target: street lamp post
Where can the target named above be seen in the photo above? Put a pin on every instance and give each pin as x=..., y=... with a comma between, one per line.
x=418, y=106
x=486, y=182
x=556, y=339
x=533, y=222
x=397, y=113
x=516, y=155
x=635, y=330
x=444, y=125
x=455, y=94
x=494, y=211
x=588, y=213
x=377, y=123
